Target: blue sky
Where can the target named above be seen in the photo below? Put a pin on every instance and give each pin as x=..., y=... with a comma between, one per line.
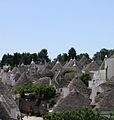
x=57, y=25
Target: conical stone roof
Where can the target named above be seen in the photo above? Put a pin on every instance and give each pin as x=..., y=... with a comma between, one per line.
x=57, y=67
x=22, y=81
x=43, y=81
x=6, y=102
x=77, y=84
x=73, y=65
x=107, y=103
x=83, y=60
x=59, y=81
x=93, y=66
x=108, y=87
x=73, y=101
x=4, y=115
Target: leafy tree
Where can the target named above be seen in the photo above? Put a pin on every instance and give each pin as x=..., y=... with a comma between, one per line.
x=42, y=56
x=34, y=56
x=46, y=92
x=16, y=58
x=85, y=114
x=72, y=53
x=51, y=103
x=69, y=74
x=47, y=74
x=85, y=78
x=101, y=55
x=25, y=58
x=81, y=55
x=59, y=57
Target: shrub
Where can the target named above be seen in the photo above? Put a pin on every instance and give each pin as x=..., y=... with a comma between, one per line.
x=47, y=92
x=85, y=78
x=77, y=115
x=47, y=74
x=51, y=103
x=69, y=74
x=68, y=71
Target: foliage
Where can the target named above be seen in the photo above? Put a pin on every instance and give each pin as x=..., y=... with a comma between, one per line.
x=47, y=74
x=68, y=71
x=85, y=114
x=25, y=58
x=81, y=55
x=46, y=92
x=63, y=58
x=72, y=53
x=42, y=56
x=51, y=103
x=69, y=74
x=85, y=78
x=101, y=54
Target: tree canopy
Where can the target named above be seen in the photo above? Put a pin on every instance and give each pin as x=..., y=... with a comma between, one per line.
x=26, y=58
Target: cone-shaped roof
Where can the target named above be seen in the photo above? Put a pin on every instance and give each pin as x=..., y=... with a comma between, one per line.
x=73, y=101
x=43, y=81
x=107, y=103
x=6, y=102
x=59, y=81
x=83, y=60
x=57, y=67
x=73, y=65
x=108, y=86
x=23, y=80
x=4, y=115
x=93, y=66
x=77, y=84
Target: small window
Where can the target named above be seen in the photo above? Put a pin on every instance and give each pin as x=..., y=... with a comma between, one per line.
x=98, y=93
x=61, y=90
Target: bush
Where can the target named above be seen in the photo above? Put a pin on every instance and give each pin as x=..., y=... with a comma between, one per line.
x=85, y=78
x=69, y=74
x=47, y=74
x=68, y=71
x=51, y=103
x=47, y=92
x=77, y=115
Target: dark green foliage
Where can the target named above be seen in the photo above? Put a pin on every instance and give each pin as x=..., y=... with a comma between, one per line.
x=77, y=115
x=101, y=54
x=42, y=56
x=69, y=74
x=51, y=103
x=68, y=71
x=26, y=58
x=81, y=55
x=47, y=74
x=63, y=58
x=72, y=53
x=46, y=92
x=85, y=78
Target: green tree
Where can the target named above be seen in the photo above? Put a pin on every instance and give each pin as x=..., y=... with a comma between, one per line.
x=81, y=55
x=51, y=103
x=85, y=78
x=16, y=58
x=43, y=56
x=101, y=55
x=72, y=53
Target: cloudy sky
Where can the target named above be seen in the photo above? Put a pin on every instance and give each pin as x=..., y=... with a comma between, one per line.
x=57, y=25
